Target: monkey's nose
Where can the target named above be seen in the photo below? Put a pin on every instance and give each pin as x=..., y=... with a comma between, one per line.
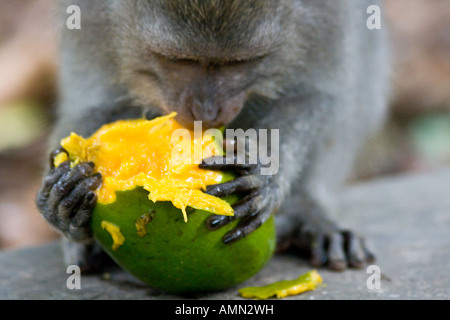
x=205, y=111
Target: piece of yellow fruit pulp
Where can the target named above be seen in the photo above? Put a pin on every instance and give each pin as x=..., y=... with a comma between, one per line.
x=151, y=154
x=284, y=288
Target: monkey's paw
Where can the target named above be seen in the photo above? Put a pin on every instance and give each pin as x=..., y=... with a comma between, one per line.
x=66, y=198
x=331, y=247
x=259, y=196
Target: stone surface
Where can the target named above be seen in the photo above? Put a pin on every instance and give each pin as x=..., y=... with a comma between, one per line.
x=406, y=221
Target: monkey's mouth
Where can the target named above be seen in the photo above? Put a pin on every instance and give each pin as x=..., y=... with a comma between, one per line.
x=187, y=118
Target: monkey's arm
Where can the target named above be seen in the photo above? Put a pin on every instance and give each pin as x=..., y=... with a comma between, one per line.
x=88, y=99
x=304, y=128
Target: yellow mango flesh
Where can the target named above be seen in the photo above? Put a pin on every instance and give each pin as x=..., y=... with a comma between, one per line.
x=147, y=153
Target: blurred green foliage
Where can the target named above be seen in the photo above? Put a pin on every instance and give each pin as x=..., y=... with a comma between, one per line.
x=20, y=124
x=430, y=134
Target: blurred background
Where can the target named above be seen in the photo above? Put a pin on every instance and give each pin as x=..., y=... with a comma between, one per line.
x=416, y=137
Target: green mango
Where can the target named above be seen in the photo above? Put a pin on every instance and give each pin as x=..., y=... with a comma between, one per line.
x=154, y=243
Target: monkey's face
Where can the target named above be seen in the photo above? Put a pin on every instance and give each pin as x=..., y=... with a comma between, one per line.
x=198, y=58
x=199, y=91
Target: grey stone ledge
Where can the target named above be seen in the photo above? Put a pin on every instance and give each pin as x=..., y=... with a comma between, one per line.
x=405, y=219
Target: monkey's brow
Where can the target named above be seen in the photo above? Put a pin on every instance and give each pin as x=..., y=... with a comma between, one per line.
x=187, y=59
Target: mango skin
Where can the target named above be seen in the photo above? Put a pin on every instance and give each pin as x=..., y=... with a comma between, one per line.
x=178, y=257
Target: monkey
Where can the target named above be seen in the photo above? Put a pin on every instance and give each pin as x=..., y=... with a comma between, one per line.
x=308, y=68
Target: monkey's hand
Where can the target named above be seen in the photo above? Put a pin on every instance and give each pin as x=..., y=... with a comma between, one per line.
x=259, y=195
x=66, y=198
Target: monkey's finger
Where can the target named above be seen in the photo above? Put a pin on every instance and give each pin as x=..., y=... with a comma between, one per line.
x=53, y=177
x=42, y=198
x=215, y=222
x=240, y=184
x=354, y=249
x=229, y=163
x=67, y=182
x=53, y=154
x=246, y=226
x=357, y=253
x=250, y=205
x=245, y=207
x=68, y=206
x=79, y=226
x=336, y=254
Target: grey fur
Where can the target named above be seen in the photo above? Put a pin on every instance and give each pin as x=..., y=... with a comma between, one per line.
x=310, y=68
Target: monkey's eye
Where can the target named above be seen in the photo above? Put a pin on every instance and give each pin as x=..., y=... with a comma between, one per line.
x=244, y=61
x=215, y=63
x=183, y=61
x=208, y=62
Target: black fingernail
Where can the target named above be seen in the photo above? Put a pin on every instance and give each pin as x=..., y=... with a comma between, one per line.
x=232, y=236
x=214, y=223
x=98, y=175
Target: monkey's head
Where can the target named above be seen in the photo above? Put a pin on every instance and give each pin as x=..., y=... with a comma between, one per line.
x=196, y=57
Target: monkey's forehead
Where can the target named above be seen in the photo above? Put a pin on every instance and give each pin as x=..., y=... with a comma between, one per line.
x=194, y=29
